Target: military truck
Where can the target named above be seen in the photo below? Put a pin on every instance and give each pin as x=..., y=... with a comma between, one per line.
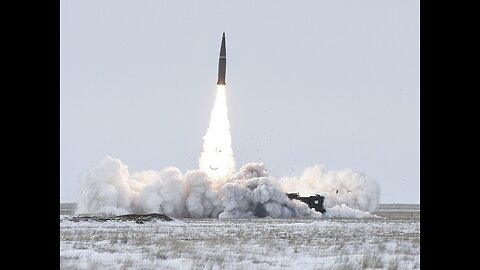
x=315, y=201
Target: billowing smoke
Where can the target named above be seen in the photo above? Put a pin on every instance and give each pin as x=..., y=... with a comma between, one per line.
x=344, y=211
x=352, y=188
x=157, y=192
x=217, y=159
x=250, y=193
x=109, y=189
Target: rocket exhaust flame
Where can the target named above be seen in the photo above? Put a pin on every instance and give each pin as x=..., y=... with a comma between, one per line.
x=217, y=159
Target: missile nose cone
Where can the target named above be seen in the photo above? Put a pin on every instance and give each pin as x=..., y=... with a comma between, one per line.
x=223, y=34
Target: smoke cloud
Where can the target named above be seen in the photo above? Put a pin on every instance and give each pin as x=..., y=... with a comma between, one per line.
x=354, y=189
x=109, y=189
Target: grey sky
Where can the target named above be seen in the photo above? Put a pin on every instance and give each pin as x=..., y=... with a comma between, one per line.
x=308, y=82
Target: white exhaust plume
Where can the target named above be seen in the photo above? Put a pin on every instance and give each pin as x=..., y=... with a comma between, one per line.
x=354, y=189
x=109, y=189
x=217, y=159
x=106, y=189
x=159, y=192
x=343, y=211
x=202, y=200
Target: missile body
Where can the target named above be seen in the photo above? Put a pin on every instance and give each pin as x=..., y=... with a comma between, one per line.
x=222, y=63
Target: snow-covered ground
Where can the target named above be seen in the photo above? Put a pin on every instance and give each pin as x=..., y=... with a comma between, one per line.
x=324, y=243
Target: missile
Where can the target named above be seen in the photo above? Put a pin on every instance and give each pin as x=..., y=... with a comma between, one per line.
x=222, y=63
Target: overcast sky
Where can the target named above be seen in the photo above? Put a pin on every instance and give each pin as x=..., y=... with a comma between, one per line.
x=308, y=82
